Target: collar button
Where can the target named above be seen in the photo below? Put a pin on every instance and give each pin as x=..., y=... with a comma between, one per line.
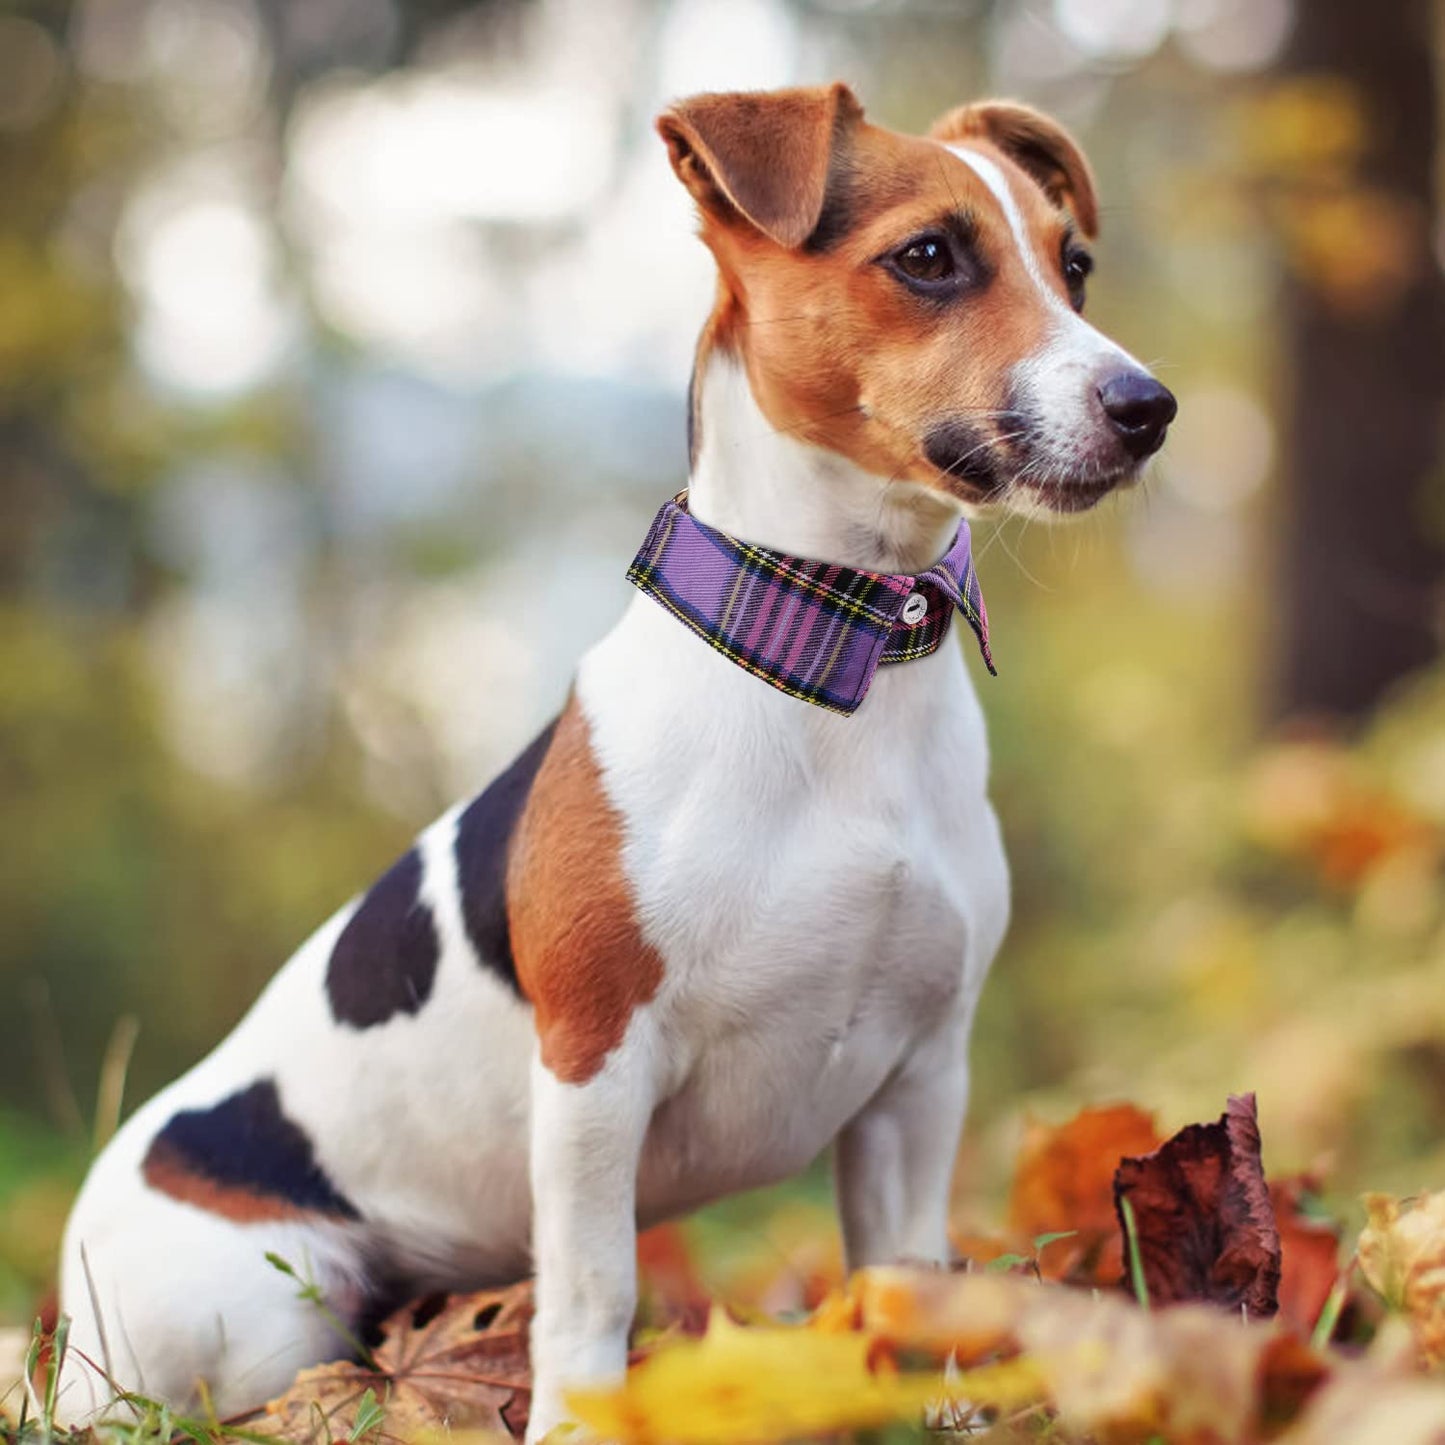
x=915, y=609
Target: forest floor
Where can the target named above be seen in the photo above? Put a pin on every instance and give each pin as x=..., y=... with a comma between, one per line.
x=1141, y=1289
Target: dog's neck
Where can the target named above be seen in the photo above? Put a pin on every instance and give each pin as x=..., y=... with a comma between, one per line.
x=757, y=483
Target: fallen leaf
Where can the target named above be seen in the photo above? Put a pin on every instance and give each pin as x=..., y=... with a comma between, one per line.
x=1402, y=1254
x=1309, y=1253
x=837, y=1313
x=1291, y=1371
x=1065, y=1181
x=1115, y=1371
x=1191, y=1374
x=966, y=1315
x=446, y=1363
x=1362, y=1407
x=743, y=1384
x=1206, y=1230
x=668, y=1281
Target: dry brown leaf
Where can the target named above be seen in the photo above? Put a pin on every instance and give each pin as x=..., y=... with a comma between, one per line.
x=1205, y=1226
x=448, y=1363
x=1065, y=1181
x=1309, y=1254
x=1402, y=1254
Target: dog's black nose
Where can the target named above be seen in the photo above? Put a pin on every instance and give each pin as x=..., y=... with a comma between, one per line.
x=1140, y=410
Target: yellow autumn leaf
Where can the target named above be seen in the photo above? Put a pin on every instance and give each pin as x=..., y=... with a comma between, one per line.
x=837, y=1313
x=769, y=1383
x=1402, y=1254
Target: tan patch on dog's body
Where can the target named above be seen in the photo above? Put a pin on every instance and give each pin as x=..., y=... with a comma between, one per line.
x=581, y=958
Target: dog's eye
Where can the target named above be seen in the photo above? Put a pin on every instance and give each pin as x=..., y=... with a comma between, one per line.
x=927, y=259
x=1078, y=265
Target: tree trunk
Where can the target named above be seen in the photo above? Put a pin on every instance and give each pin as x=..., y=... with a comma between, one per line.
x=1364, y=535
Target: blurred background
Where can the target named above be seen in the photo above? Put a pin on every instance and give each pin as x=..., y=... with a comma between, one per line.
x=343, y=347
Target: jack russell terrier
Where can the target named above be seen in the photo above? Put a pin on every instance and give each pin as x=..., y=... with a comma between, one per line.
x=736, y=903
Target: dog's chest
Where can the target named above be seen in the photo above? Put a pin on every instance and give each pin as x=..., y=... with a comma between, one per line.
x=830, y=970
x=823, y=890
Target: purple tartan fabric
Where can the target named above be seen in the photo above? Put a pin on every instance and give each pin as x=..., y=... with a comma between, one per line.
x=815, y=630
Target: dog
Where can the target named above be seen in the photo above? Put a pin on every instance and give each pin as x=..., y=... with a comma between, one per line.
x=737, y=902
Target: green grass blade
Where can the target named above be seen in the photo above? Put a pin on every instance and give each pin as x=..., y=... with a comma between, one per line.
x=1136, y=1260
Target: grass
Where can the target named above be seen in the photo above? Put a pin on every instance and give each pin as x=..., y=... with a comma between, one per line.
x=132, y=1418
x=1136, y=1260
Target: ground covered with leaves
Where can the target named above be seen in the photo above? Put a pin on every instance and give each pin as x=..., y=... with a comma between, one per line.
x=1141, y=1290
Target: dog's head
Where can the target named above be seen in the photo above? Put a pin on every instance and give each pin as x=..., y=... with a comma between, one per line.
x=916, y=303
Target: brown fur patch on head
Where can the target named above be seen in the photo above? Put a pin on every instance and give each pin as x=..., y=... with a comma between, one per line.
x=581, y=958
x=839, y=354
x=1035, y=143
x=763, y=157
x=811, y=214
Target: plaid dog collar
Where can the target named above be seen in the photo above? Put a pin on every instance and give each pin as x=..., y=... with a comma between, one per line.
x=815, y=630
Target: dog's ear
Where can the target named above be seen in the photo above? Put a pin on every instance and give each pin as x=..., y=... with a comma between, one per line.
x=1039, y=145
x=763, y=156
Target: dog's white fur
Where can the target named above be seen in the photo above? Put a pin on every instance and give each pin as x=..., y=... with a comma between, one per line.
x=826, y=894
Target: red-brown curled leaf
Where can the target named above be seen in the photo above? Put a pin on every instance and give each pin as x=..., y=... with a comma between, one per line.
x=1205, y=1225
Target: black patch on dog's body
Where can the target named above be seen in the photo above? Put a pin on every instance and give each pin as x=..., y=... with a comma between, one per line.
x=484, y=832
x=385, y=961
x=243, y=1159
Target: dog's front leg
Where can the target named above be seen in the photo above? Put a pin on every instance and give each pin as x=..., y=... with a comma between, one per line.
x=895, y=1159
x=586, y=1141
